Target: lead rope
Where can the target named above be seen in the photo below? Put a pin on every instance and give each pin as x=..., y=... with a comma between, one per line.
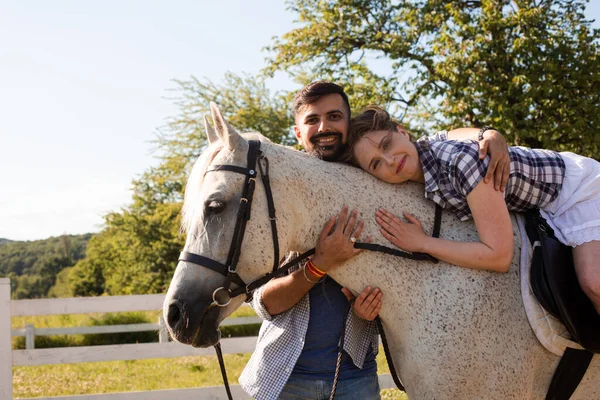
x=388, y=356
x=437, y=225
x=223, y=371
x=340, y=349
x=416, y=256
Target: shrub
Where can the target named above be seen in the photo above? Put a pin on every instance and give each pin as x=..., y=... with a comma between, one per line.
x=120, y=338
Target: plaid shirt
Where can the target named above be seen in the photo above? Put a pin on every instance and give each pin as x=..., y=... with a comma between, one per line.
x=452, y=169
x=280, y=342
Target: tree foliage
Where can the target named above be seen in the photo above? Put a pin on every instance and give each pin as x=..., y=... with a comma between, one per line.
x=529, y=68
x=33, y=266
x=135, y=253
x=137, y=250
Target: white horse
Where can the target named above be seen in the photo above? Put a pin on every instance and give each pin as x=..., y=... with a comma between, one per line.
x=454, y=333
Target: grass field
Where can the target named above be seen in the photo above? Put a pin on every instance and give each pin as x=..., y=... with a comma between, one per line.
x=135, y=375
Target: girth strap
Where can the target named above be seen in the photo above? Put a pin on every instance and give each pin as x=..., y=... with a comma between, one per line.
x=437, y=222
x=569, y=373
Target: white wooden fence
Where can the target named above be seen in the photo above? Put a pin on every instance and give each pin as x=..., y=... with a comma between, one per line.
x=67, y=355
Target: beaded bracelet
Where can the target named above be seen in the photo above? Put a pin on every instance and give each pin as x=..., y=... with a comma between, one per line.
x=482, y=131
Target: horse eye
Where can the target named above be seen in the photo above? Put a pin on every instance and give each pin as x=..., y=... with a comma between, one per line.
x=215, y=206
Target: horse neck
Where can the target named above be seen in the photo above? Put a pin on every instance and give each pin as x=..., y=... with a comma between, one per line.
x=307, y=192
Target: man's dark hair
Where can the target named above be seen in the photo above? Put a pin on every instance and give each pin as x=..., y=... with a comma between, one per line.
x=312, y=92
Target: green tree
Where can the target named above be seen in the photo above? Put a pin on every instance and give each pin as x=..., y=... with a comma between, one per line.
x=62, y=286
x=529, y=68
x=246, y=103
x=137, y=250
x=33, y=266
x=135, y=253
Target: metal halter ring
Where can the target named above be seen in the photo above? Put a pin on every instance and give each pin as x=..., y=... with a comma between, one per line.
x=214, y=296
x=352, y=239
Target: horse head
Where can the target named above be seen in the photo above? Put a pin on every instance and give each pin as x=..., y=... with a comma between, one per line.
x=215, y=198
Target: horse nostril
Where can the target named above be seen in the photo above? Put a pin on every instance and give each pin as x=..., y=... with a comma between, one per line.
x=174, y=314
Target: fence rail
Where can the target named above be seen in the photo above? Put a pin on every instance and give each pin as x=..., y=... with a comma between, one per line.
x=30, y=332
x=66, y=355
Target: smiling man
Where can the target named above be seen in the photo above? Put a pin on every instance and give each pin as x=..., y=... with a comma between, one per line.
x=322, y=115
x=296, y=352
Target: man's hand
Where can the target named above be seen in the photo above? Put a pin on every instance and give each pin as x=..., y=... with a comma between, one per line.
x=367, y=305
x=499, y=169
x=335, y=245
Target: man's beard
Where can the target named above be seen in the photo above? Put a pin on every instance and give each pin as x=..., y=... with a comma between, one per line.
x=329, y=152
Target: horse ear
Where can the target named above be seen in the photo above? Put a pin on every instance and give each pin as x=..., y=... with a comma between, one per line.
x=226, y=132
x=210, y=132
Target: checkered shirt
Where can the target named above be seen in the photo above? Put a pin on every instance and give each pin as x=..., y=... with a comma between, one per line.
x=280, y=342
x=452, y=169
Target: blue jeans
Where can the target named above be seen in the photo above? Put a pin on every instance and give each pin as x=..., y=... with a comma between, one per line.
x=364, y=388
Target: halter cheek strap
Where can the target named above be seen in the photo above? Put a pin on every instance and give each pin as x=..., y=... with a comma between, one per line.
x=222, y=296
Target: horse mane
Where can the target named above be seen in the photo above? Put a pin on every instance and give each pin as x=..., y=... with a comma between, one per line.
x=193, y=188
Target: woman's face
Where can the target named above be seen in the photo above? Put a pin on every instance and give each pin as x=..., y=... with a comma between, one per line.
x=388, y=155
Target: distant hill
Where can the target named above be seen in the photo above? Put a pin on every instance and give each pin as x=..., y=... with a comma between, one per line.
x=34, y=265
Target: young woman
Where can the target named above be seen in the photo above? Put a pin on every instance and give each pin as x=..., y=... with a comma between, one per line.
x=565, y=186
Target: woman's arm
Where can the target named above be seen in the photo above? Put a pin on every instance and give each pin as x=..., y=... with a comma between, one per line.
x=493, y=252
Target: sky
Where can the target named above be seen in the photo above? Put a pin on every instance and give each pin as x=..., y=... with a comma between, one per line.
x=84, y=87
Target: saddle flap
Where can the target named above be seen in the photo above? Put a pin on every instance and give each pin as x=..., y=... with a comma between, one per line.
x=575, y=309
x=555, y=284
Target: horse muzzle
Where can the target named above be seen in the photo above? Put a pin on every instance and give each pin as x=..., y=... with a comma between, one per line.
x=193, y=325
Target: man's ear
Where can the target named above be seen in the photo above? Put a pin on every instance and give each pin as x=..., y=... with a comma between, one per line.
x=297, y=132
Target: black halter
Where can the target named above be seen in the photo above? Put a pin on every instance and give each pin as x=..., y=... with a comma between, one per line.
x=223, y=295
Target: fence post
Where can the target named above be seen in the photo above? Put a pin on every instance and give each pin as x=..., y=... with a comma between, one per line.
x=29, y=337
x=163, y=334
x=6, y=389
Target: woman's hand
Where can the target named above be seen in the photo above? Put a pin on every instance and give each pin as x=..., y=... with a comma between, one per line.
x=336, y=241
x=367, y=305
x=499, y=169
x=406, y=235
